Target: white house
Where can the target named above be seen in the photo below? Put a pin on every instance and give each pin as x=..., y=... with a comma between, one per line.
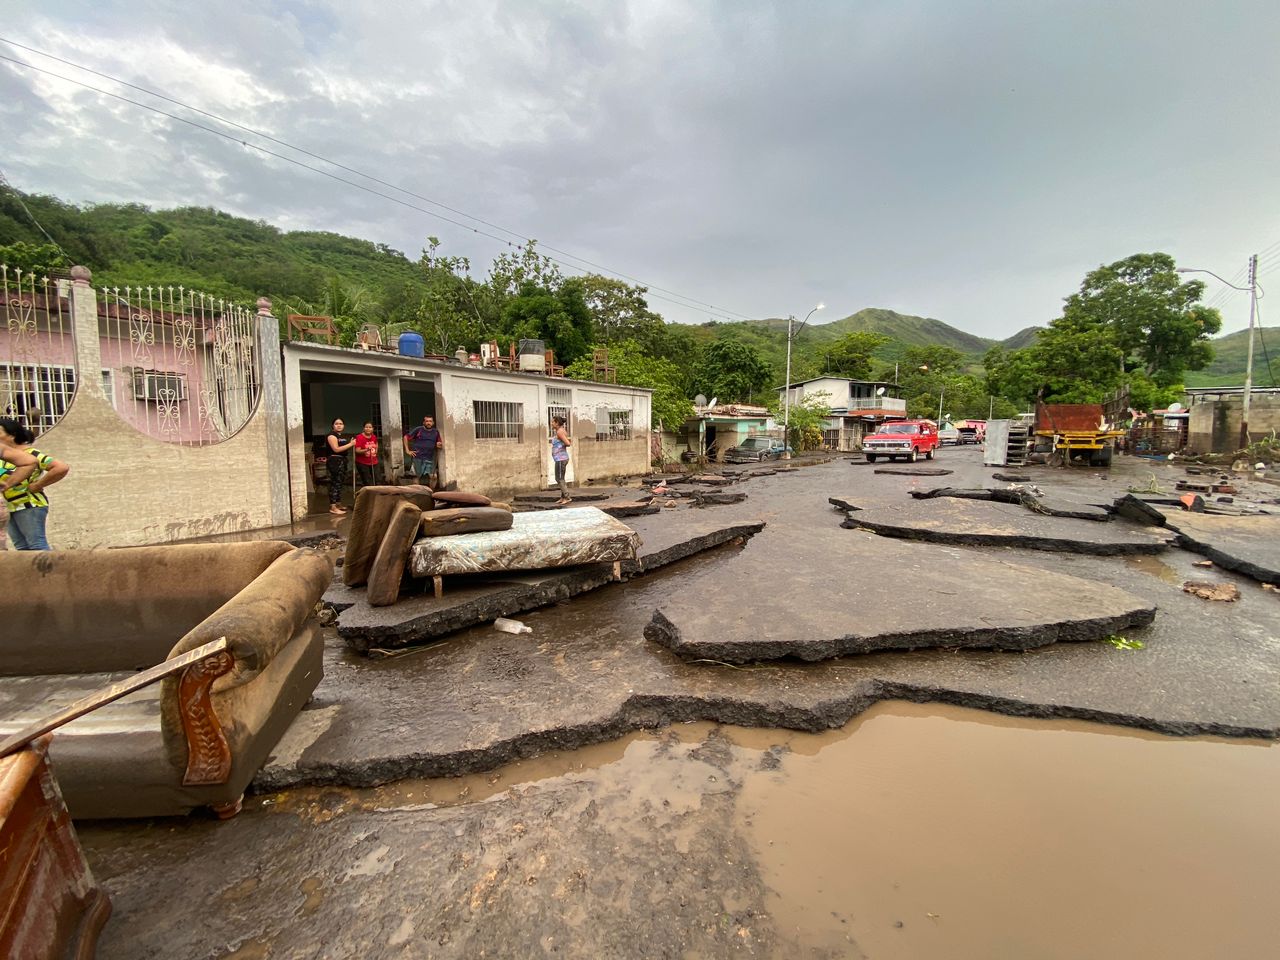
x=495, y=424
x=857, y=407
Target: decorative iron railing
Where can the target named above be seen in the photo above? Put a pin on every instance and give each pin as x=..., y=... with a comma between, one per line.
x=37, y=354
x=179, y=365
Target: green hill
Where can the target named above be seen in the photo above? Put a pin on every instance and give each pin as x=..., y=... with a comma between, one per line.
x=1230, y=357
x=1023, y=338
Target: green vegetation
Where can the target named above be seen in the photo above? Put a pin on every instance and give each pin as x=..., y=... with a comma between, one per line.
x=1133, y=323
x=523, y=294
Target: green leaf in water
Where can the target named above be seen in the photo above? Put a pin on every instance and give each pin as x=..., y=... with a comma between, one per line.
x=1123, y=643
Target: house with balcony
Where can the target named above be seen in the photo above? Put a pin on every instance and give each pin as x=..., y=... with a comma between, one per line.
x=857, y=407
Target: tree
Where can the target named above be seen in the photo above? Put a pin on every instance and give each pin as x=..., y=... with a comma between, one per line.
x=671, y=406
x=39, y=259
x=805, y=419
x=850, y=356
x=1131, y=323
x=619, y=311
x=1154, y=318
x=732, y=371
x=559, y=317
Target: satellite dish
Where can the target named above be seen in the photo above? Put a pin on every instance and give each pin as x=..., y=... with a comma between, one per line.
x=879, y=391
x=713, y=402
x=1175, y=407
x=700, y=400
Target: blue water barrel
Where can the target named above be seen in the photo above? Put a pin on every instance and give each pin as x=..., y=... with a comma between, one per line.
x=411, y=345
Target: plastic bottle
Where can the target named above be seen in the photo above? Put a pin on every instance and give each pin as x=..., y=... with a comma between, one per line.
x=511, y=626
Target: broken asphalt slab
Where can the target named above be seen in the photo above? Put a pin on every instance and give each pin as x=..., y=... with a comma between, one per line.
x=969, y=602
x=915, y=471
x=1025, y=498
x=1249, y=545
x=468, y=601
x=988, y=524
x=587, y=675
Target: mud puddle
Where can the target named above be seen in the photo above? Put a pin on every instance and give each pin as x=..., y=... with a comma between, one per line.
x=926, y=831
x=1156, y=568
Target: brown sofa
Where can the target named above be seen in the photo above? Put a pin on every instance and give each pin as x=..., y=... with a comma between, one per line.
x=77, y=620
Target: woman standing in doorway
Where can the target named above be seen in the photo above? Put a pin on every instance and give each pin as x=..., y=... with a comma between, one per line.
x=25, y=500
x=560, y=444
x=336, y=465
x=367, y=456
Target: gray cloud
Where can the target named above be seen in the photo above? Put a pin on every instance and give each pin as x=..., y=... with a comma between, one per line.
x=960, y=160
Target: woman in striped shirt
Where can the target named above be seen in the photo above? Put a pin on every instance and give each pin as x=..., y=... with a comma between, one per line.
x=25, y=500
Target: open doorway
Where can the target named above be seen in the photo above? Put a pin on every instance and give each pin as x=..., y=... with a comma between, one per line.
x=559, y=404
x=417, y=402
x=355, y=400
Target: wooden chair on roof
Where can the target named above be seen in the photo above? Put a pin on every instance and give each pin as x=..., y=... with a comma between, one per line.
x=492, y=357
x=313, y=329
x=552, y=368
x=601, y=372
x=370, y=338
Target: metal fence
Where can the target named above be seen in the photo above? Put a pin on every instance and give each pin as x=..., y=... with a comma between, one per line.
x=37, y=355
x=179, y=365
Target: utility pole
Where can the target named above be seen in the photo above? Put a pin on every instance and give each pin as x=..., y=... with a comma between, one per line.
x=786, y=396
x=1248, y=368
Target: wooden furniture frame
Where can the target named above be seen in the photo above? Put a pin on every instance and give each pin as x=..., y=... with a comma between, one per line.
x=312, y=329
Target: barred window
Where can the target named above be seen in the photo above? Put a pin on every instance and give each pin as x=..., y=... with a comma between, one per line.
x=499, y=421
x=613, y=424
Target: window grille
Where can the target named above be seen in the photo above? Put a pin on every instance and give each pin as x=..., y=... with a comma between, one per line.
x=499, y=421
x=613, y=424
x=38, y=393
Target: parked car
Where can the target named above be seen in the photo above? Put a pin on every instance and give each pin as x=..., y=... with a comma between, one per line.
x=949, y=433
x=756, y=450
x=909, y=439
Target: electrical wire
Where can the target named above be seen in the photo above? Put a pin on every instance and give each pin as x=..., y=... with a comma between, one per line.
x=4, y=181
x=683, y=300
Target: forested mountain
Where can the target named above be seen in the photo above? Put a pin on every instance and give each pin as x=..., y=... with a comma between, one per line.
x=1230, y=357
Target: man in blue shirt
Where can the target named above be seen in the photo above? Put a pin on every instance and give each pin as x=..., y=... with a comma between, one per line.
x=420, y=446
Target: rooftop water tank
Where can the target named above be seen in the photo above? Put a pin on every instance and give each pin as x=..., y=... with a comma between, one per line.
x=411, y=344
x=533, y=356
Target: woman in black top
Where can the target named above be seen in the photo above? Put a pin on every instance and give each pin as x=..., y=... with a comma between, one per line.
x=337, y=466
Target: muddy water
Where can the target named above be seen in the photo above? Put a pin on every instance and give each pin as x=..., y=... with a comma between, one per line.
x=939, y=832
x=929, y=831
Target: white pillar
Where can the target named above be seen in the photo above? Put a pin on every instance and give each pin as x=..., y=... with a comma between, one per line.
x=278, y=465
x=392, y=427
x=295, y=435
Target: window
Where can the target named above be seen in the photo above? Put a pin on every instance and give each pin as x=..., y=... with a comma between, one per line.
x=499, y=421
x=38, y=393
x=109, y=387
x=613, y=424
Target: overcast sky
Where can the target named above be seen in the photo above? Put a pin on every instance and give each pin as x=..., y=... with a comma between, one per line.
x=965, y=161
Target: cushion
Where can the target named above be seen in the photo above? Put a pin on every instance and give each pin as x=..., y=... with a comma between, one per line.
x=442, y=523
x=388, y=566
x=369, y=522
x=459, y=498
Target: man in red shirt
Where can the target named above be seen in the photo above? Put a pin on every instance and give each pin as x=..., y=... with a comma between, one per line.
x=367, y=456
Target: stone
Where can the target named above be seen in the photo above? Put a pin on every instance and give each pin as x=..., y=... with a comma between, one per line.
x=369, y=519
x=443, y=523
x=715, y=498
x=988, y=524
x=630, y=508
x=1212, y=591
x=387, y=570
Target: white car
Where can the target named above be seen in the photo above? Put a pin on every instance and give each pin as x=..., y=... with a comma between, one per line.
x=947, y=433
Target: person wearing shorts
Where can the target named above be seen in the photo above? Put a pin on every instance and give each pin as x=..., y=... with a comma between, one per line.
x=420, y=446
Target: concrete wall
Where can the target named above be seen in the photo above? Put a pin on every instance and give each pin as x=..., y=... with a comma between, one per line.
x=127, y=489
x=1214, y=425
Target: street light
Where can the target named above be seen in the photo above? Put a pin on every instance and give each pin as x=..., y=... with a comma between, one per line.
x=1252, y=290
x=786, y=392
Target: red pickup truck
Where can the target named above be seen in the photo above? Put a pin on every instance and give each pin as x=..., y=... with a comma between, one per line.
x=909, y=439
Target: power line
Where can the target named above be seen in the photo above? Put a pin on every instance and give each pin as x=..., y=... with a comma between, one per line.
x=683, y=300
x=4, y=181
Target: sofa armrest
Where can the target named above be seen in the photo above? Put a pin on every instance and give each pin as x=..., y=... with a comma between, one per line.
x=258, y=622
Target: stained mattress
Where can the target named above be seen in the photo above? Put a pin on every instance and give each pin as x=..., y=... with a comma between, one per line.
x=537, y=540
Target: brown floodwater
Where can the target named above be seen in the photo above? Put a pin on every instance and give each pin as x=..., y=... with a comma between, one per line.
x=927, y=831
